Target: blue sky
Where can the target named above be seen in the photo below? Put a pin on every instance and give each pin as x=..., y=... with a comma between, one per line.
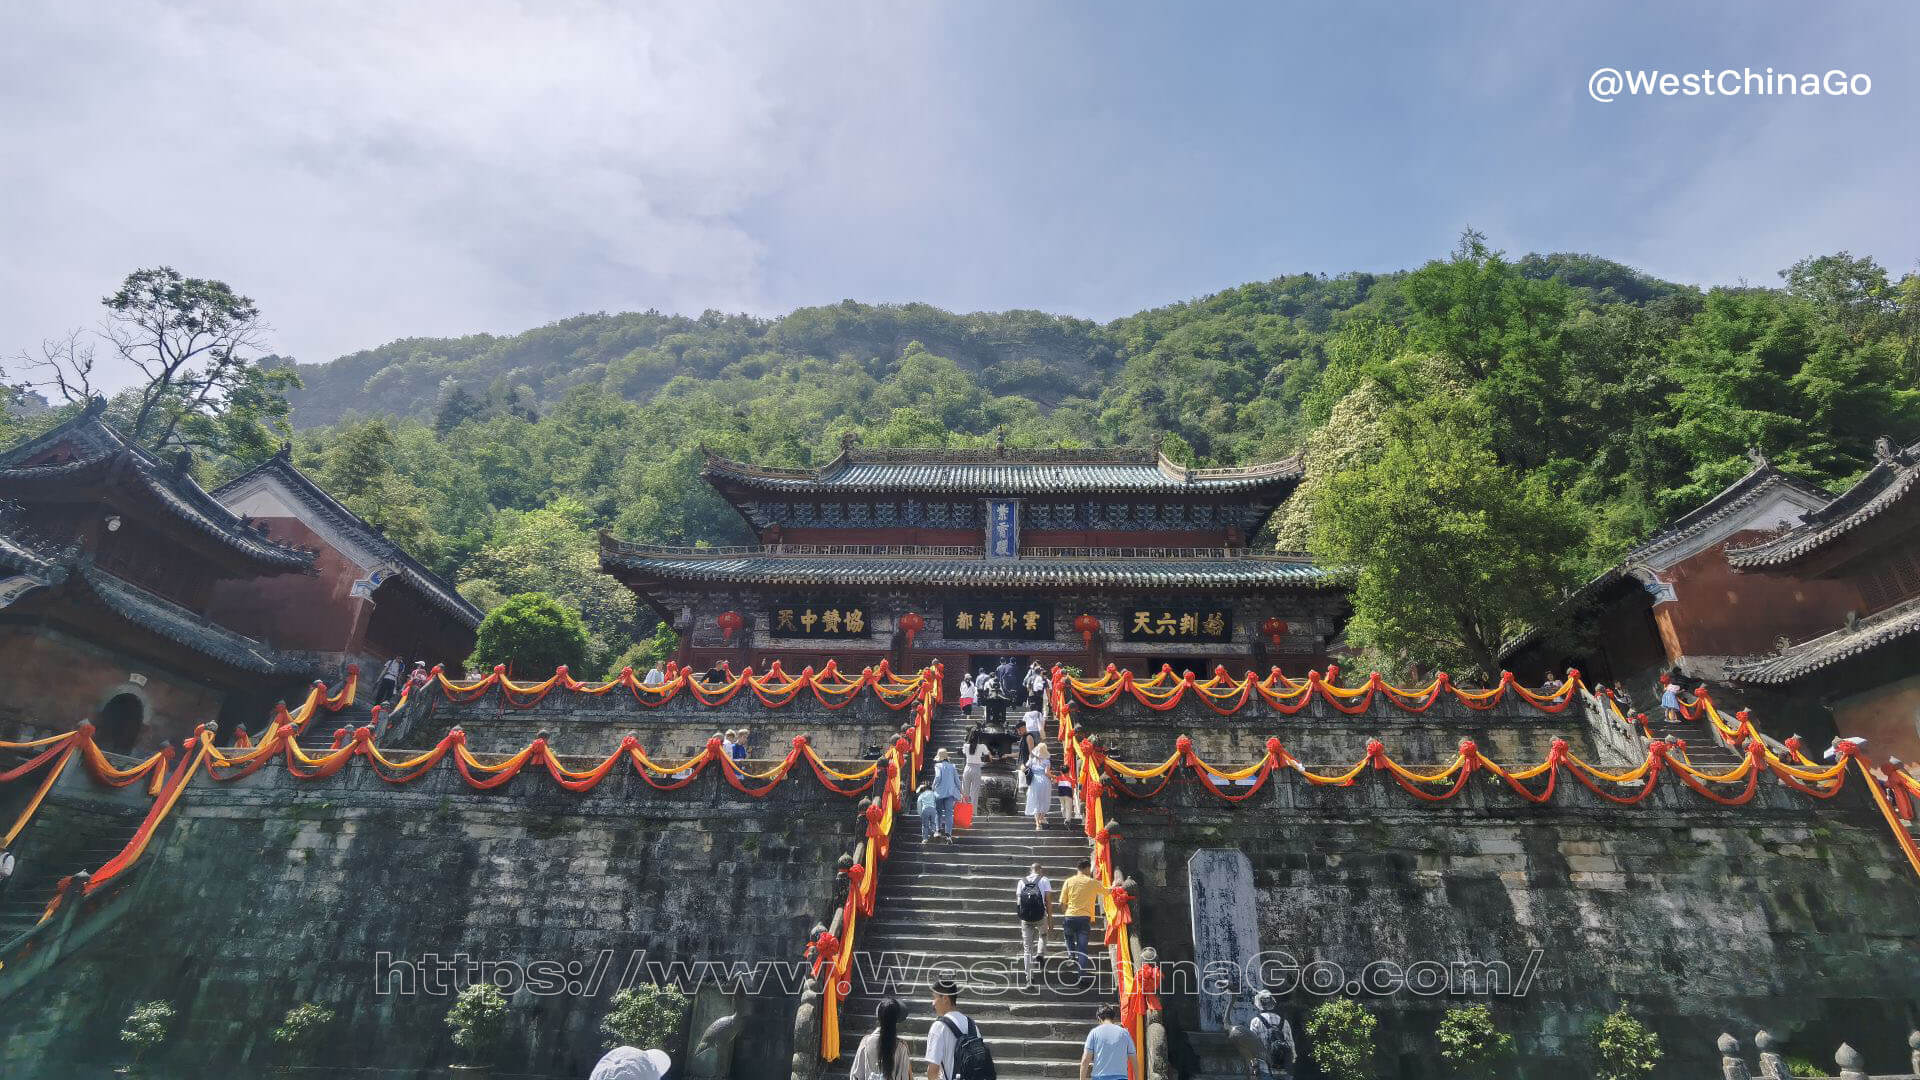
x=369, y=173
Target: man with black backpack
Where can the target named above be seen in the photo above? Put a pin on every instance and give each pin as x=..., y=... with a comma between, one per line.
x=955, y=1050
x=1034, y=895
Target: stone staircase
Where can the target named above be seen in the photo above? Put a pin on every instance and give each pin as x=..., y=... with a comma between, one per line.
x=319, y=734
x=943, y=906
x=86, y=839
x=1705, y=751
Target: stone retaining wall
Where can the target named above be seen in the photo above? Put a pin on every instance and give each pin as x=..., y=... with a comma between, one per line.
x=271, y=891
x=1786, y=914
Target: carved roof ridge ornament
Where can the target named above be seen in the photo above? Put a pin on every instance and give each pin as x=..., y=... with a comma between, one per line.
x=1803, y=658
x=1889, y=482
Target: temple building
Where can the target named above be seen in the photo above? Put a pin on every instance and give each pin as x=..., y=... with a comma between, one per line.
x=114, y=560
x=1082, y=557
x=1673, y=603
x=133, y=598
x=1861, y=668
x=1783, y=597
x=368, y=599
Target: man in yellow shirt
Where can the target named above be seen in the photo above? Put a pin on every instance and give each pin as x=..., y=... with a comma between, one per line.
x=1078, y=899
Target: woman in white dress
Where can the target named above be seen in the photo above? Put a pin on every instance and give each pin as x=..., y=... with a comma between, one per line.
x=1039, y=777
x=966, y=693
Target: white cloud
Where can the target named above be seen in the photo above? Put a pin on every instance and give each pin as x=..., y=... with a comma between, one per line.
x=367, y=172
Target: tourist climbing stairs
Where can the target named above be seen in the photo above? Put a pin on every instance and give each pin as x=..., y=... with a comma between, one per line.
x=941, y=906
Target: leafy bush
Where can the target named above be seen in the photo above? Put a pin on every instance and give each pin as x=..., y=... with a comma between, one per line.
x=1470, y=1042
x=1624, y=1048
x=146, y=1027
x=300, y=1030
x=643, y=655
x=645, y=1016
x=1342, y=1033
x=532, y=633
x=479, y=1021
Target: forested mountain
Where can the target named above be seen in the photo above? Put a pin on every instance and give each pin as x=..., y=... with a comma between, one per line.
x=1480, y=432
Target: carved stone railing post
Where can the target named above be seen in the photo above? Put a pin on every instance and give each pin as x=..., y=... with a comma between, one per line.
x=1154, y=1052
x=1772, y=1065
x=1732, y=1065
x=1913, y=1052
x=1852, y=1065
x=806, y=1034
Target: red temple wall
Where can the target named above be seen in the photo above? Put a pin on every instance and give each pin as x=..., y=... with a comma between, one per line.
x=56, y=681
x=308, y=612
x=1719, y=612
x=1888, y=717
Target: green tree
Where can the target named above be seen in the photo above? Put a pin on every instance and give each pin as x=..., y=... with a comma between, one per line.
x=460, y=406
x=1623, y=1047
x=644, y=655
x=359, y=471
x=552, y=551
x=1471, y=1043
x=479, y=1022
x=146, y=1027
x=646, y=1016
x=532, y=634
x=302, y=1031
x=1755, y=370
x=194, y=342
x=1342, y=1034
x=1448, y=550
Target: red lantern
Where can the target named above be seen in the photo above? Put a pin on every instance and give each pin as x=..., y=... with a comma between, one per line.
x=912, y=623
x=1275, y=629
x=729, y=622
x=1088, y=626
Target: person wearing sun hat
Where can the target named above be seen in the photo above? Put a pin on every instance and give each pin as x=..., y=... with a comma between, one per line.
x=629, y=1063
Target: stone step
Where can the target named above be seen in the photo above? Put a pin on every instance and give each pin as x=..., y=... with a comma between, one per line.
x=966, y=850
x=970, y=922
x=1048, y=1001
x=1009, y=1067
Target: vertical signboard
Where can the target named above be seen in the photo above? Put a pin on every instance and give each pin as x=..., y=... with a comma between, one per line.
x=1003, y=528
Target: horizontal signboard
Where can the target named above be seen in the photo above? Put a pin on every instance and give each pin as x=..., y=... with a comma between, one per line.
x=831, y=617
x=1177, y=624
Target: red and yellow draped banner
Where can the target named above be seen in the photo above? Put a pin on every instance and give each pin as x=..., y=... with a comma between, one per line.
x=56, y=751
x=1226, y=695
x=775, y=689
x=833, y=952
x=1089, y=772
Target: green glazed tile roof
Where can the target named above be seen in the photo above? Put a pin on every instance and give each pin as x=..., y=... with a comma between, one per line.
x=805, y=570
x=1010, y=472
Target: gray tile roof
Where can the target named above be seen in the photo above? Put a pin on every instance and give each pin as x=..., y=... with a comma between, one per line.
x=102, y=453
x=1758, y=483
x=175, y=623
x=1093, y=572
x=1010, y=472
x=1807, y=657
x=1891, y=480
x=24, y=554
